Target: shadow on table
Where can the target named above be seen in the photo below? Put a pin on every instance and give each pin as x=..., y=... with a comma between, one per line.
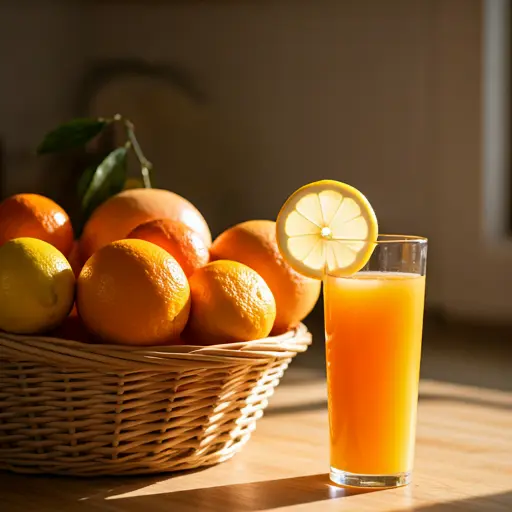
x=79, y=494
x=278, y=410
x=490, y=503
x=321, y=405
x=246, y=497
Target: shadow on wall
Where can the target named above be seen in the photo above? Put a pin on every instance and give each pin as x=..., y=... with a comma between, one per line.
x=180, y=130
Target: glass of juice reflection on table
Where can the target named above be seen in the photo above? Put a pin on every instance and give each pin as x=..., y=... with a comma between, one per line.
x=373, y=324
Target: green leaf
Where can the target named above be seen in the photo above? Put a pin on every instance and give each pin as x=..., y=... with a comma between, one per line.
x=71, y=135
x=84, y=181
x=107, y=180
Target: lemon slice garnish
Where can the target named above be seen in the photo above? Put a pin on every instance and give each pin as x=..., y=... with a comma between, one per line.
x=327, y=227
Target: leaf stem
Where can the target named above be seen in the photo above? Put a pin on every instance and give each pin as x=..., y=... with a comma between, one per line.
x=145, y=165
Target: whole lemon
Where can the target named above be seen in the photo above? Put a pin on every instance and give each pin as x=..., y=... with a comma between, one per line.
x=37, y=286
x=230, y=303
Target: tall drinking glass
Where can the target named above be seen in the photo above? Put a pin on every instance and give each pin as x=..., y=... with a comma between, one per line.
x=373, y=324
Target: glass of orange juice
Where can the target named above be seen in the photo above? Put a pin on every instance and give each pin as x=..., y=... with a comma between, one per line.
x=373, y=324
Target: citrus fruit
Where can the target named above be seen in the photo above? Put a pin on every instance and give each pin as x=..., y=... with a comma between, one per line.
x=133, y=183
x=178, y=240
x=35, y=216
x=133, y=292
x=72, y=328
x=327, y=226
x=75, y=258
x=254, y=244
x=117, y=216
x=230, y=302
x=38, y=286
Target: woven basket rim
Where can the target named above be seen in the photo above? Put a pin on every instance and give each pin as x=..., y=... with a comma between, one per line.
x=26, y=349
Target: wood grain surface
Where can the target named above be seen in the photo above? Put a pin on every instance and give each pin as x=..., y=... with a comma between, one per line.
x=463, y=463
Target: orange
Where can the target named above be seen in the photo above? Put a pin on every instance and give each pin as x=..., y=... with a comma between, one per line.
x=254, y=244
x=178, y=240
x=133, y=183
x=230, y=302
x=72, y=328
x=117, y=216
x=75, y=258
x=133, y=292
x=35, y=216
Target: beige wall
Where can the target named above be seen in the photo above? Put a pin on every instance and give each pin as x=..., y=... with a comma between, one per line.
x=42, y=60
x=298, y=91
x=307, y=89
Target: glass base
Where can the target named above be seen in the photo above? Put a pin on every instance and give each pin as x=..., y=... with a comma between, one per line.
x=345, y=478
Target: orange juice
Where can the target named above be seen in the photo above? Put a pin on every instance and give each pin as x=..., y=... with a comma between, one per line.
x=373, y=323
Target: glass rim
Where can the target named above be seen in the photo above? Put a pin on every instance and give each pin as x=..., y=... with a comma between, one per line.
x=388, y=239
x=400, y=239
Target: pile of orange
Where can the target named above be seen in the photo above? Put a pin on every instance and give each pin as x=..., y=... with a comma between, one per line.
x=144, y=272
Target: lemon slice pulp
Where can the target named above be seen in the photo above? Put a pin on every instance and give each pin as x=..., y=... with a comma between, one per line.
x=327, y=227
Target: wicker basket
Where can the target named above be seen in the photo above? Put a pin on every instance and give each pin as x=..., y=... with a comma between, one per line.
x=80, y=409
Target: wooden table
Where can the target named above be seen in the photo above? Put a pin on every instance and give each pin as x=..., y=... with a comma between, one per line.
x=463, y=463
